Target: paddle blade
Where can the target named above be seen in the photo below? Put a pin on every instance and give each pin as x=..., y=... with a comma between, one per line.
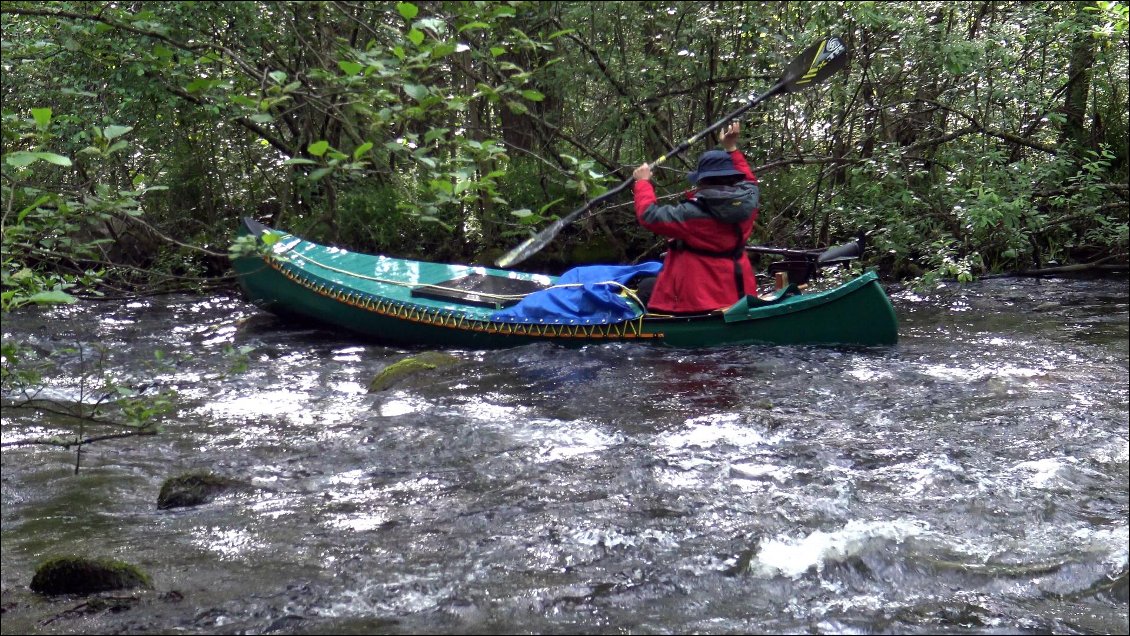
x=845, y=252
x=531, y=245
x=815, y=65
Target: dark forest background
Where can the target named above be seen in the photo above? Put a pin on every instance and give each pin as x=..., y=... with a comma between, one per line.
x=963, y=138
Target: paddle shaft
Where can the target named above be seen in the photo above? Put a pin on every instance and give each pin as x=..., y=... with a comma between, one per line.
x=780, y=251
x=838, y=253
x=674, y=152
x=811, y=67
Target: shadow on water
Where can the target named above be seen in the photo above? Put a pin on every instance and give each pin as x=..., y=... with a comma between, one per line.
x=972, y=479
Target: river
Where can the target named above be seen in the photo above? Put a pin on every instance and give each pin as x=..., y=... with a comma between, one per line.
x=972, y=479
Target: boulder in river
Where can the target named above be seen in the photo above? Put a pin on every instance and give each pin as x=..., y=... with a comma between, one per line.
x=82, y=575
x=397, y=371
x=194, y=488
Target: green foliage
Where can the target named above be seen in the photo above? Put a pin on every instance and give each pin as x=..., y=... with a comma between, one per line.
x=54, y=240
x=446, y=129
x=537, y=197
x=369, y=214
x=239, y=358
x=20, y=366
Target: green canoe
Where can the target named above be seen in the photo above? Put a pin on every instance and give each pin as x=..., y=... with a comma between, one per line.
x=409, y=302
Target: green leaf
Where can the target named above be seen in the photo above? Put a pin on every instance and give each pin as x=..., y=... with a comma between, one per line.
x=435, y=25
x=473, y=25
x=552, y=203
x=318, y=148
x=443, y=49
x=198, y=85
x=492, y=95
x=22, y=158
x=407, y=10
x=497, y=50
x=416, y=36
x=319, y=173
x=431, y=219
x=278, y=76
x=42, y=117
x=53, y=297
x=299, y=161
x=362, y=149
x=435, y=133
x=416, y=91
x=71, y=91
x=38, y=202
x=110, y=132
x=532, y=95
x=349, y=68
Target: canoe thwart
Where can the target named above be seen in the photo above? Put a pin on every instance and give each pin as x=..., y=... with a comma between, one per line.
x=480, y=290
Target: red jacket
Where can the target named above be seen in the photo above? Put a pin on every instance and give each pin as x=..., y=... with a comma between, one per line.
x=710, y=230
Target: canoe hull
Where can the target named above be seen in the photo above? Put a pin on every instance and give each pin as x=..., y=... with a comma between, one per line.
x=857, y=313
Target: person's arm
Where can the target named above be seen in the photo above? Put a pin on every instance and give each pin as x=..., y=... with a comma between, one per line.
x=666, y=220
x=741, y=164
x=729, y=140
x=642, y=191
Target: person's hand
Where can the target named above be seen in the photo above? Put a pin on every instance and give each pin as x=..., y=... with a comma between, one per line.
x=729, y=136
x=642, y=173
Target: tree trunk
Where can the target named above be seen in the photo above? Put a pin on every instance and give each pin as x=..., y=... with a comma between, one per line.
x=1074, y=131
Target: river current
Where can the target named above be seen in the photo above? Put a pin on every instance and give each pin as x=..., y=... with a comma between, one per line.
x=972, y=479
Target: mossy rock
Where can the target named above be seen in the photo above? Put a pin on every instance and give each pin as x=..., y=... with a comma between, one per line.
x=81, y=575
x=194, y=488
x=397, y=371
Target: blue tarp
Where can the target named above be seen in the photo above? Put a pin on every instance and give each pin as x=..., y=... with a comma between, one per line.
x=593, y=302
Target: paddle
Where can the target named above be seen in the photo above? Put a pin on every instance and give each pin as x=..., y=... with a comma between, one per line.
x=801, y=265
x=836, y=254
x=812, y=66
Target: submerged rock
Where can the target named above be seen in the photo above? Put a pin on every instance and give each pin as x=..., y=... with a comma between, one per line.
x=194, y=488
x=81, y=575
x=397, y=371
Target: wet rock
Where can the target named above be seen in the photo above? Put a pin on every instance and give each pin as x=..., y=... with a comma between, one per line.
x=194, y=488
x=81, y=575
x=401, y=369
